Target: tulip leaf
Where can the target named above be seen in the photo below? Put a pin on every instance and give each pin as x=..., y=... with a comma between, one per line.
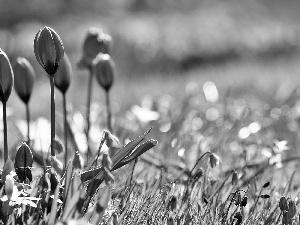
x=7, y=168
x=141, y=149
x=118, y=157
x=24, y=157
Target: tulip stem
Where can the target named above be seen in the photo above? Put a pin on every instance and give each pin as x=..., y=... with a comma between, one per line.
x=88, y=109
x=65, y=128
x=5, y=132
x=52, y=115
x=28, y=124
x=108, y=111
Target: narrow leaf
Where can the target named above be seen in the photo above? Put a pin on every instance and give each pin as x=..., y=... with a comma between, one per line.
x=53, y=211
x=7, y=168
x=141, y=149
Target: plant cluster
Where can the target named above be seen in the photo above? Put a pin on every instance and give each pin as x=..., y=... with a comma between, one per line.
x=69, y=190
x=217, y=160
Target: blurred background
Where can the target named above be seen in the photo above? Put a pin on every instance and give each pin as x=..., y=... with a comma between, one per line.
x=161, y=46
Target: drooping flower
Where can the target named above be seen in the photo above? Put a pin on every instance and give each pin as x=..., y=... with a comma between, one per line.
x=24, y=78
x=95, y=42
x=48, y=49
x=214, y=160
x=6, y=77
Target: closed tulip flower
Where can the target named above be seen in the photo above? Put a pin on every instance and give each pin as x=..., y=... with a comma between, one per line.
x=6, y=84
x=104, y=70
x=24, y=78
x=95, y=42
x=6, y=77
x=63, y=75
x=48, y=49
x=49, y=52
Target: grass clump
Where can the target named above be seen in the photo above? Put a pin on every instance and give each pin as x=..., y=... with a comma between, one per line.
x=217, y=159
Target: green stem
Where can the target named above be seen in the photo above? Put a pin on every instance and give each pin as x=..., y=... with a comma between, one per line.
x=5, y=132
x=88, y=109
x=52, y=115
x=28, y=124
x=109, y=127
x=199, y=161
x=65, y=128
x=278, y=219
x=255, y=204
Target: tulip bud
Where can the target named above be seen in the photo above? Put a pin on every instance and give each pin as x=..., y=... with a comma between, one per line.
x=63, y=75
x=24, y=78
x=104, y=70
x=238, y=199
x=173, y=203
x=238, y=218
x=78, y=161
x=291, y=208
x=244, y=201
x=283, y=205
x=6, y=77
x=95, y=42
x=111, y=140
x=9, y=186
x=214, y=160
x=23, y=162
x=235, y=178
x=48, y=49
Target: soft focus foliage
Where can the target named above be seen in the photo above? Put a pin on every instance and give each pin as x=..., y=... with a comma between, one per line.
x=6, y=77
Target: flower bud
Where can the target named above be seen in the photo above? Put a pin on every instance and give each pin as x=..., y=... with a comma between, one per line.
x=283, y=205
x=237, y=199
x=24, y=78
x=48, y=49
x=63, y=75
x=291, y=208
x=235, y=178
x=9, y=186
x=23, y=162
x=244, y=201
x=6, y=77
x=214, y=160
x=267, y=184
x=95, y=42
x=173, y=203
x=111, y=140
x=78, y=161
x=104, y=70
x=238, y=218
